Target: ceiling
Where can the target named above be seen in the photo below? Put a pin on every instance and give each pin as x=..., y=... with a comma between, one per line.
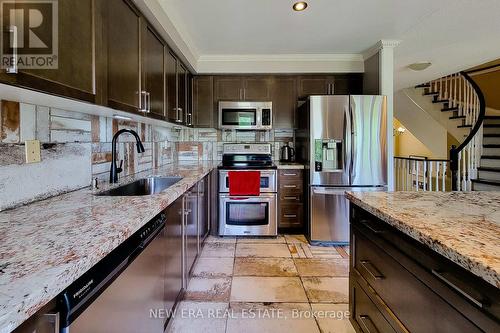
x=452, y=34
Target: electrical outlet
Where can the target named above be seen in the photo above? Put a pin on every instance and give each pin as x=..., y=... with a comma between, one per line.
x=32, y=151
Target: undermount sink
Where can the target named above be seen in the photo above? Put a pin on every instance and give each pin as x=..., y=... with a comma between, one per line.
x=145, y=186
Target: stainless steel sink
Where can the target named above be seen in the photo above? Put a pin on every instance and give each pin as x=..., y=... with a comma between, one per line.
x=145, y=186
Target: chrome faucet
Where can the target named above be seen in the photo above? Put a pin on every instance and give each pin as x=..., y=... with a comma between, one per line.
x=113, y=173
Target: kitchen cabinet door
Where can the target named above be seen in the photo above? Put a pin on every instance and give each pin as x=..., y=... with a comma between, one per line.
x=182, y=91
x=203, y=101
x=257, y=89
x=315, y=85
x=284, y=99
x=203, y=210
x=123, y=41
x=174, y=252
x=171, y=87
x=190, y=231
x=153, y=65
x=349, y=84
x=228, y=88
x=74, y=76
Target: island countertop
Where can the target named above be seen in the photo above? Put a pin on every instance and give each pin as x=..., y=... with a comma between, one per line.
x=464, y=227
x=45, y=246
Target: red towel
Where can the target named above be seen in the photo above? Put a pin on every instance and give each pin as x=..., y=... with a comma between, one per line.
x=244, y=183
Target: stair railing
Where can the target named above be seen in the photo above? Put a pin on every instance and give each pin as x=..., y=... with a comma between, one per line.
x=421, y=174
x=462, y=92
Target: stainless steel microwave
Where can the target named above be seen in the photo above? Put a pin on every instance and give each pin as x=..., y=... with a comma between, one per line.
x=246, y=115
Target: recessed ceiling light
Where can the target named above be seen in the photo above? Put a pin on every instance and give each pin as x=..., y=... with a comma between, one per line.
x=420, y=66
x=299, y=6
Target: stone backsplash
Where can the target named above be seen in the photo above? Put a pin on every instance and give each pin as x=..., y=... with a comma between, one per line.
x=76, y=147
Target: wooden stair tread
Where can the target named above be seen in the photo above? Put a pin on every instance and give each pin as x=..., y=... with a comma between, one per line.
x=490, y=157
x=486, y=181
x=491, y=145
x=423, y=85
x=449, y=109
x=491, y=135
x=457, y=117
x=491, y=117
x=490, y=169
x=441, y=101
x=491, y=125
x=431, y=93
x=464, y=126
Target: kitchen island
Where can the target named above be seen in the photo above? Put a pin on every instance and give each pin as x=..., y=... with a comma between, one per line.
x=425, y=262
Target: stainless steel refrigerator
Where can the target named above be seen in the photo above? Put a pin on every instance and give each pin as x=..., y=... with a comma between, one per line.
x=342, y=142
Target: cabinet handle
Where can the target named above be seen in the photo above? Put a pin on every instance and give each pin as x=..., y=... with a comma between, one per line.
x=289, y=174
x=368, y=324
x=291, y=198
x=13, y=69
x=441, y=276
x=290, y=186
x=370, y=268
x=290, y=215
x=148, y=96
x=143, y=107
x=367, y=224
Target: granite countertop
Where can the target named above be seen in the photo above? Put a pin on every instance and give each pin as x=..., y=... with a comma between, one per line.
x=289, y=165
x=462, y=226
x=45, y=246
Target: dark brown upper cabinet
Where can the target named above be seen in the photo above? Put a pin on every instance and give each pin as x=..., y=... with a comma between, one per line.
x=316, y=85
x=203, y=101
x=284, y=97
x=171, y=87
x=242, y=88
x=124, y=63
x=228, y=88
x=74, y=76
x=177, y=78
x=256, y=89
x=349, y=84
x=182, y=79
x=153, y=80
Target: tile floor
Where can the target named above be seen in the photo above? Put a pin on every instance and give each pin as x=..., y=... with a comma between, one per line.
x=266, y=285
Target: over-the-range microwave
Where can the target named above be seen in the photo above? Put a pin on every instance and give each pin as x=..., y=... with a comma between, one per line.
x=246, y=115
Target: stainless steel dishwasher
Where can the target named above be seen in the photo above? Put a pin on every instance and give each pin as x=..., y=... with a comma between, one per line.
x=124, y=292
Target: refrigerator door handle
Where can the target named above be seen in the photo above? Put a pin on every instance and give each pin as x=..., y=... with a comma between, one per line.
x=351, y=139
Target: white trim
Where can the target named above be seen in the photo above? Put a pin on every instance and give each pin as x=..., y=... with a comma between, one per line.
x=381, y=44
x=281, y=63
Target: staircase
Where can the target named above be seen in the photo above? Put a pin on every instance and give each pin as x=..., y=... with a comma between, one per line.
x=489, y=170
x=475, y=163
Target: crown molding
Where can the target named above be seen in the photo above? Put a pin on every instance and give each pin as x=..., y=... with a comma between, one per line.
x=381, y=44
x=281, y=63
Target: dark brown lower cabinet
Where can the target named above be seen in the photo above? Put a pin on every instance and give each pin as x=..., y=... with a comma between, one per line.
x=290, y=199
x=399, y=285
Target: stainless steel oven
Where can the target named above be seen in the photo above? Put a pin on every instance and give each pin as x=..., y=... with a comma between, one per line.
x=252, y=216
x=246, y=115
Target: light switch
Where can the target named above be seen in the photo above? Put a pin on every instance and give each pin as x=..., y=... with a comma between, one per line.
x=32, y=151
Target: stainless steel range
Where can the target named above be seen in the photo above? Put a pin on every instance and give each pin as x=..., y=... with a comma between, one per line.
x=252, y=215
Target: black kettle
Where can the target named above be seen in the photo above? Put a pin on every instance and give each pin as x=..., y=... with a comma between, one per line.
x=287, y=154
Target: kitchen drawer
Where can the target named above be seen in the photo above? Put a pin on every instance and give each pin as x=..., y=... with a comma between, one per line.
x=405, y=294
x=290, y=186
x=296, y=174
x=290, y=197
x=366, y=313
x=290, y=215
